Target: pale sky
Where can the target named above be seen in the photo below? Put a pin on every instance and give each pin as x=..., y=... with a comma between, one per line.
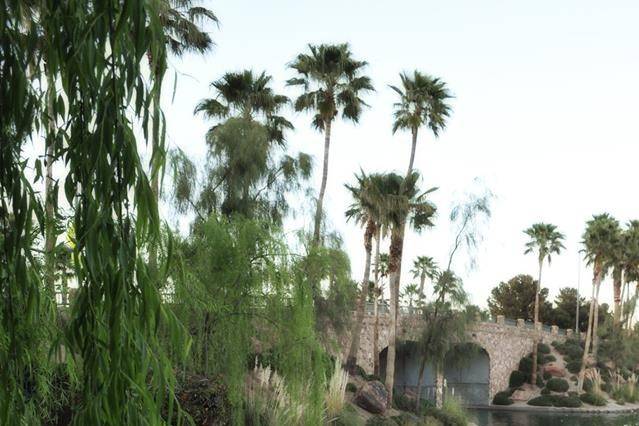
x=545, y=113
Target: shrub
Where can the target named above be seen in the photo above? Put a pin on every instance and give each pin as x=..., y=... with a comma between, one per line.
x=595, y=399
x=502, y=398
x=545, y=391
x=517, y=378
x=543, y=348
x=573, y=366
x=547, y=375
x=380, y=421
x=606, y=387
x=573, y=351
x=557, y=384
x=549, y=358
x=540, y=381
x=372, y=378
x=351, y=387
x=454, y=412
x=348, y=417
x=588, y=386
x=574, y=394
x=557, y=345
x=525, y=365
x=334, y=397
x=541, y=401
x=566, y=401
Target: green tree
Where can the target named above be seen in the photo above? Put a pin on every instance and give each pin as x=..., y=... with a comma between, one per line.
x=401, y=202
x=424, y=267
x=422, y=102
x=545, y=240
x=516, y=299
x=599, y=241
x=565, y=310
x=411, y=295
x=332, y=82
x=630, y=273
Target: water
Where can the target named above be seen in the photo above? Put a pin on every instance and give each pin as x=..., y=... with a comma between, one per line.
x=515, y=418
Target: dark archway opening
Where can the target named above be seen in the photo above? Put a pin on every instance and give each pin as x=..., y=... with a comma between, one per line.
x=466, y=372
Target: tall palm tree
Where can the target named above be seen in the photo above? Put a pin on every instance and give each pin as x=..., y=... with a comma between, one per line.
x=631, y=267
x=411, y=295
x=422, y=102
x=424, y=267
x=401, y=203
x=365, y=213
x=545, y=240
x=598, y=240
x=183, y=25
x=332, y=82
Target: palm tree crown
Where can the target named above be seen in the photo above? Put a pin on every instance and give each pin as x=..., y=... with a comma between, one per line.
x=425, y=265
x=602, y=231
x=180, y=19
x=332, y=81
x=248, y=96
x=545, y=239
x=423, y=101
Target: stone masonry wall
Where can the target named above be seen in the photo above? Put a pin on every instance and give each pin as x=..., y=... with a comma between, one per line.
x=505, y=344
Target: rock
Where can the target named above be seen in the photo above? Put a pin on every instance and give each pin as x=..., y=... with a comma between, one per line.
x=524, y=393
x=372, y=397
x=554, y=369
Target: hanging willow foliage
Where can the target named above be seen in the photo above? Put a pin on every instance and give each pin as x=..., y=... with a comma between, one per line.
x=95, y=49
x=21, y=218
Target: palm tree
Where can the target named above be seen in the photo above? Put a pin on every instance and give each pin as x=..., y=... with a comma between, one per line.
x=381, y=268
x=631, y=267
x=424, y=267
x=332, y=83
x=422, y=102
x=598, y=240
x=400, y=202
x=411, y=295
x=247, y=96
x=364, y=213
x=182, y=23
x=545, y=240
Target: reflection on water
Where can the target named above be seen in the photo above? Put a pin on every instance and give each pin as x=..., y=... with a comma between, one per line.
x=514, y=418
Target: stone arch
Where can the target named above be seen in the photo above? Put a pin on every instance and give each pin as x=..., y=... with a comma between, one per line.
x=469, y=377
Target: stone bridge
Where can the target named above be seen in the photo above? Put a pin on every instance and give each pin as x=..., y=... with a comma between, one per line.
x=504, y=343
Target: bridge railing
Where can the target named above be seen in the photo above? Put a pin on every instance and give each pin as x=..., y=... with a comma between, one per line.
x=384, y=309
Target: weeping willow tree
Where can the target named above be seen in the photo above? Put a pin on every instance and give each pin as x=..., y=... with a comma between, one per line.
x=94, y=50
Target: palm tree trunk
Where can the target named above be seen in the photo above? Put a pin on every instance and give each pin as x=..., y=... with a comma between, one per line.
x=351, y=361
x=533, y=374
x=582, y=371
x=394, y=264
x=616, y=285
x=320, y=198
x=595, y=324
x=50, y=237
x=412, y=151
x=631, y=315
x=439, y=385
x=422, y=282
x=420, y=379
x=375, y=308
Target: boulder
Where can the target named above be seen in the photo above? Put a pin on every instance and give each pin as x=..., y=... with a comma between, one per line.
x=372, y=397
x=554, y=369
x=524, y=393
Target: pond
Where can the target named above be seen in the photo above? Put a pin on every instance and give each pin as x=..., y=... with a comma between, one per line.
x=516, y=418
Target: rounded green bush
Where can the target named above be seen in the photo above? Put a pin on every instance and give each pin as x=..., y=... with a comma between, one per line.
x=566, y=401
x=549, y=358
x=525, y=365
x=593, y=399
x=547, y=375
x=502, y=398
x=557, y=384
x=541, y=401
x=545, y=391
x=517, y=378
x=573, y=366
x=543, y=348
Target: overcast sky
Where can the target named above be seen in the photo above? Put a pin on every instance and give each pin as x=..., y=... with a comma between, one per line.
x=545, y=113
